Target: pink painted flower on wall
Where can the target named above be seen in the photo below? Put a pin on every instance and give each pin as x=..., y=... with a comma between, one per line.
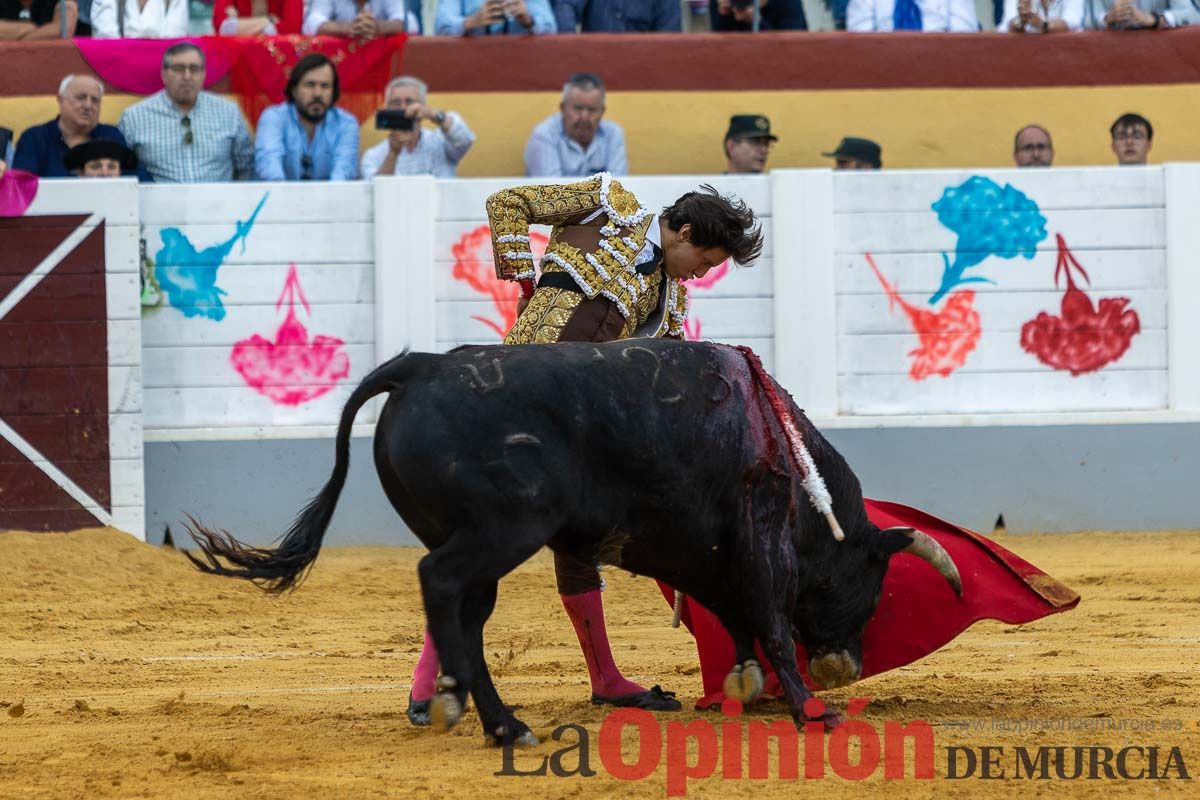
x=475, y=266
x=291, y=369
x=692, y=325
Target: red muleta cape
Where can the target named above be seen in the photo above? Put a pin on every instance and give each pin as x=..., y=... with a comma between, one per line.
x=918, y=612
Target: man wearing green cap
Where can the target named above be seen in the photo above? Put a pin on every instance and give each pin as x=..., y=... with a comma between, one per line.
x=747, y=144
x=855, y=153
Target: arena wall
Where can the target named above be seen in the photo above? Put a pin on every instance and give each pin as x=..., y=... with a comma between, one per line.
x=71, y=437
x=265, y=304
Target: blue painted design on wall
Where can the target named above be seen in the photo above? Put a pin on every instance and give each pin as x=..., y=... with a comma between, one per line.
x=189, y=277
x=990, y=220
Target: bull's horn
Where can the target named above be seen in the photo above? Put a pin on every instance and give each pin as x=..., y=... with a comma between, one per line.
x=926, y=548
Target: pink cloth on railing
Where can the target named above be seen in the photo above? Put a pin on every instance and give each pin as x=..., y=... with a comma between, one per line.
x=17, y=190
x=135, y=65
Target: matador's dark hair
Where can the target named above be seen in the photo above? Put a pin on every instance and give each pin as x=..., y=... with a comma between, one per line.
x=717, y=221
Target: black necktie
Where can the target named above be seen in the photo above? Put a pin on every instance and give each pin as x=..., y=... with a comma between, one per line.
x=650, y=267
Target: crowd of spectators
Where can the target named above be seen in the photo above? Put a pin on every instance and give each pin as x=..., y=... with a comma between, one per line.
x=365, y=19
x=183, y=134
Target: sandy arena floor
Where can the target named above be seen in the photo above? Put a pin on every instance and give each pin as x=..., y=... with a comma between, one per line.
x=125, y=673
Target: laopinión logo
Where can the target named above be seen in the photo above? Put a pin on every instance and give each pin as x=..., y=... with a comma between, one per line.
x=701, y=749
x=724, y=748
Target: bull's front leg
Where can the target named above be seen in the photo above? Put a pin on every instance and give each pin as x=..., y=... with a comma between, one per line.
x=745, y=681
x=780, y=650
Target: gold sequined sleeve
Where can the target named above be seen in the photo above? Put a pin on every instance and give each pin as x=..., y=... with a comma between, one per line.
x=511, y=212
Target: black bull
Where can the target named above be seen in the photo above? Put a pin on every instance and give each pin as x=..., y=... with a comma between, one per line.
x=663, y=458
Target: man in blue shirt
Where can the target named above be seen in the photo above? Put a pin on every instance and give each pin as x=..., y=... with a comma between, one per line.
x=42, y=147
x=617, y=16
x=492, y=17
x=306, y=137
x=577, y=142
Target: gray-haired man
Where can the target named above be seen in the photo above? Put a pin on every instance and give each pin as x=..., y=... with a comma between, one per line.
x=577, y=141
x=419, y=151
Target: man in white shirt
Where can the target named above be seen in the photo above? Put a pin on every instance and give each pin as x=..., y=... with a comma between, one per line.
x=420, y=151
x=922, y=15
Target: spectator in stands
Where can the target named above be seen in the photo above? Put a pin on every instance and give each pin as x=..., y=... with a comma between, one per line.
x=361, y=19
x=420, y=151
x=42, y=147
x=855, y=153
x=255, y=17
x=1032, y=147
x=133, y=19
x=6, y=148
x=1043, y=16
x=493, y=17
x=1141, y=14
x=747, y=144
x=183, y=134
x=912, y=15
x=738, y=15
x=306, y=137
x=617, y=16
x=100, y=158
x=35, y=19
x=577, y=141
x=1132, y=137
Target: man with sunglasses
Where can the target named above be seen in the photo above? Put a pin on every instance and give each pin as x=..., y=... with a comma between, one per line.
x=306, y=137
x=184, y=134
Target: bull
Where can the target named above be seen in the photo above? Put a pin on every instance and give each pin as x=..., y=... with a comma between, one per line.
x=656, y=456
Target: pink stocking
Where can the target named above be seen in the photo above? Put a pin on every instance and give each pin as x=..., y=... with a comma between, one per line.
x=587, y=615
x=424, y=681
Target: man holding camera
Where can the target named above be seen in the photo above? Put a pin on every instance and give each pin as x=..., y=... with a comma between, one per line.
x=410, y=149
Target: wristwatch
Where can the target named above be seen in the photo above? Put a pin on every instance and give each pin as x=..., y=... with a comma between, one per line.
x=439, y=118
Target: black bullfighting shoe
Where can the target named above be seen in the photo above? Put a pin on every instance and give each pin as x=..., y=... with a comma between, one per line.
x=418, y=712
x=653, y=699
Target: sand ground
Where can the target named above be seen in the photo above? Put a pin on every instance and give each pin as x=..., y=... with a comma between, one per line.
x=125, y=673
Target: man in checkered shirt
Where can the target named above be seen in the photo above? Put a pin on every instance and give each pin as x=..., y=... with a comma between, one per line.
x=185, y=135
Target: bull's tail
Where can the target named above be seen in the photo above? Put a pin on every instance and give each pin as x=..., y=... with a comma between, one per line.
x=283, y=567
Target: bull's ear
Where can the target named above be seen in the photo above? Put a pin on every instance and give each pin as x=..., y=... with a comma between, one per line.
x=893, y=540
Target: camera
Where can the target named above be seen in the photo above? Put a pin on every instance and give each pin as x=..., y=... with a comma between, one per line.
x=388, y=119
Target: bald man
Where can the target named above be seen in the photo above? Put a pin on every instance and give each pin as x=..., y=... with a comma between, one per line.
x=41, y=149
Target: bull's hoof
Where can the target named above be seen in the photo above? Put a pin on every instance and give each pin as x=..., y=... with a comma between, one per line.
x=745, y=682
x=831, y=719
x=445, y=710
x=517, y=735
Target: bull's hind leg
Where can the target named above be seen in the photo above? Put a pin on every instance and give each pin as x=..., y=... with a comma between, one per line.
x=499, y=725
x=468, y=562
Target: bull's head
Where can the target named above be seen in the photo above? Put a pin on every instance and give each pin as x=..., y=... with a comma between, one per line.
x=833, y=608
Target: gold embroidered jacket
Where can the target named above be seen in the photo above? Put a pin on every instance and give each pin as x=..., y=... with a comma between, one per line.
x=598, y=254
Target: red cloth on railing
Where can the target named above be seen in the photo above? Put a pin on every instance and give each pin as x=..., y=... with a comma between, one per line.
x=258, y=66
x=917, y=612
x=289, y=12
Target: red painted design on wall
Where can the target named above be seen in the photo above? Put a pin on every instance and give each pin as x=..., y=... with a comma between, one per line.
x=474, y=265
x=944, y=338
x=1082, y=338
x=291, y=370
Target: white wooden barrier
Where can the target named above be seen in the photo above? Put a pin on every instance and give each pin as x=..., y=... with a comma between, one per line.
x=405, y=262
